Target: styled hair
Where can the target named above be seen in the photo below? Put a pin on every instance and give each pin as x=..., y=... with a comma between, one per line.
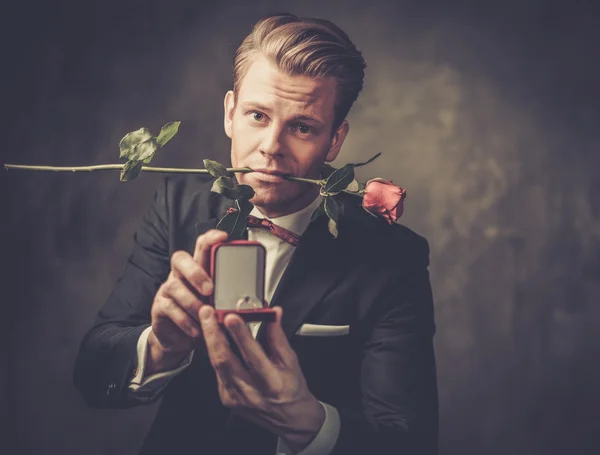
x=308, y=47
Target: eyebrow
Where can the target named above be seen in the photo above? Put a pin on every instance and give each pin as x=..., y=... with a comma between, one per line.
x=303, y=118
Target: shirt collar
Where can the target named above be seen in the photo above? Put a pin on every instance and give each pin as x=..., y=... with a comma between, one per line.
x=296, y=222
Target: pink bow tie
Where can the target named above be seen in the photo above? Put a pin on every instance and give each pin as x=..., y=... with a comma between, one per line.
x=277, y=231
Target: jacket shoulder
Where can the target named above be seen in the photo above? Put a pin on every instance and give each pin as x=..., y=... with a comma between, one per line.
x=186, y=184
x=187, y=196
x=388, y=244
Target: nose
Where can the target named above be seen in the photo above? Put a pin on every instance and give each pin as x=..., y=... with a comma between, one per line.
x=271, y=144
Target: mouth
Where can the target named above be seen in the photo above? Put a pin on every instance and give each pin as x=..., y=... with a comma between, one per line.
x=269, y=175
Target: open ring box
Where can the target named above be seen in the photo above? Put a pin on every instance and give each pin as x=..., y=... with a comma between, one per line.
x=237, y=268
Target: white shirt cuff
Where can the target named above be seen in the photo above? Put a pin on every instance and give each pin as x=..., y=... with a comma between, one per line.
x=325, y=440
x=154, y=383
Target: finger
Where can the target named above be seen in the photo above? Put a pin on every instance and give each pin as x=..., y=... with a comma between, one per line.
x=279, y=346
x=204, y=244
x=165, y=308
x=251, y=351
x=225, y=363
x=184, y=267
x=179, y=291
x=229, y=394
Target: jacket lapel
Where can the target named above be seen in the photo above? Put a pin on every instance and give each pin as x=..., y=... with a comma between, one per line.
x=319, y=262
x=218, y=205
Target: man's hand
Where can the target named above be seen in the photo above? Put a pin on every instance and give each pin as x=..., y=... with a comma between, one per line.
x=175, y=324
x=269, y=390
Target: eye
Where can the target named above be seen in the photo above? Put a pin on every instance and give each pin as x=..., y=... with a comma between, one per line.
x=304, y=129
x=258, y=116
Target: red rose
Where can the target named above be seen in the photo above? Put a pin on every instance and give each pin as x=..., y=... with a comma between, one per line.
x=384, y=199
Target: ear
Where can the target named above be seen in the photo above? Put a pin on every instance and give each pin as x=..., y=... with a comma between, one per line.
x=337, y=140
x=229, y=107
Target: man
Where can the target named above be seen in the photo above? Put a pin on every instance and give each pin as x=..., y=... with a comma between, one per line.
x=370, y=385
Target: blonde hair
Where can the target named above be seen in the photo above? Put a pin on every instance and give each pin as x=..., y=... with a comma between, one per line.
x=308, y=47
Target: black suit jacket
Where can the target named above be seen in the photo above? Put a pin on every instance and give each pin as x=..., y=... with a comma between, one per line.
x=373, y=277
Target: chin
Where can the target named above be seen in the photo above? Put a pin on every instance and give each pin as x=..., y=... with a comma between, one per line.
x=270, y=198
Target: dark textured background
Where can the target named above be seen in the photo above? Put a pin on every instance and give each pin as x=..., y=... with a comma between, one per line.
x=486, y=111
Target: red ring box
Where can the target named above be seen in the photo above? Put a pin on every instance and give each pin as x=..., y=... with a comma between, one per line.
x=264, y=314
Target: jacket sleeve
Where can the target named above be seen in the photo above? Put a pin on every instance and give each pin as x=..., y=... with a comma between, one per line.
x=397, y=412
x=106, y=360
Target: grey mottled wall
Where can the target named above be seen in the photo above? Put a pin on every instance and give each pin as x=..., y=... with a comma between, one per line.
x=486, y=112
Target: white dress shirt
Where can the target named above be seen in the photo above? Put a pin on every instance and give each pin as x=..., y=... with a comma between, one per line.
x=278, y=256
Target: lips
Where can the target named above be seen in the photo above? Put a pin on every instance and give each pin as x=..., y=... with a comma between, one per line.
x=269, y=175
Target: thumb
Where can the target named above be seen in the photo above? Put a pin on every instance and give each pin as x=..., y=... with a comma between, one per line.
x=278, y=344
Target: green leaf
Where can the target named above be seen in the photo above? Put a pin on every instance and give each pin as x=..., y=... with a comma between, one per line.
x=234, y=223
x=129, y=142
x=131, y=170
x=353, y=186
x=226, y=187
x=144, y=151
x=167, y=132
x=332, y=208
x=147, y=160
x=245, y=192
x=332, y=225
x=320, y=210
x=244, y=206
x=368, y=161
x=327, y=170
x=339, y=179
x=215, y=169
x=228, y=223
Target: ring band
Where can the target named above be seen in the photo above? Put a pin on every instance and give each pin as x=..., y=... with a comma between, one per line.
x=252, y=301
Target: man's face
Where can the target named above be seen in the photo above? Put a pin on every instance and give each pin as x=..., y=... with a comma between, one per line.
x=281, y=124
